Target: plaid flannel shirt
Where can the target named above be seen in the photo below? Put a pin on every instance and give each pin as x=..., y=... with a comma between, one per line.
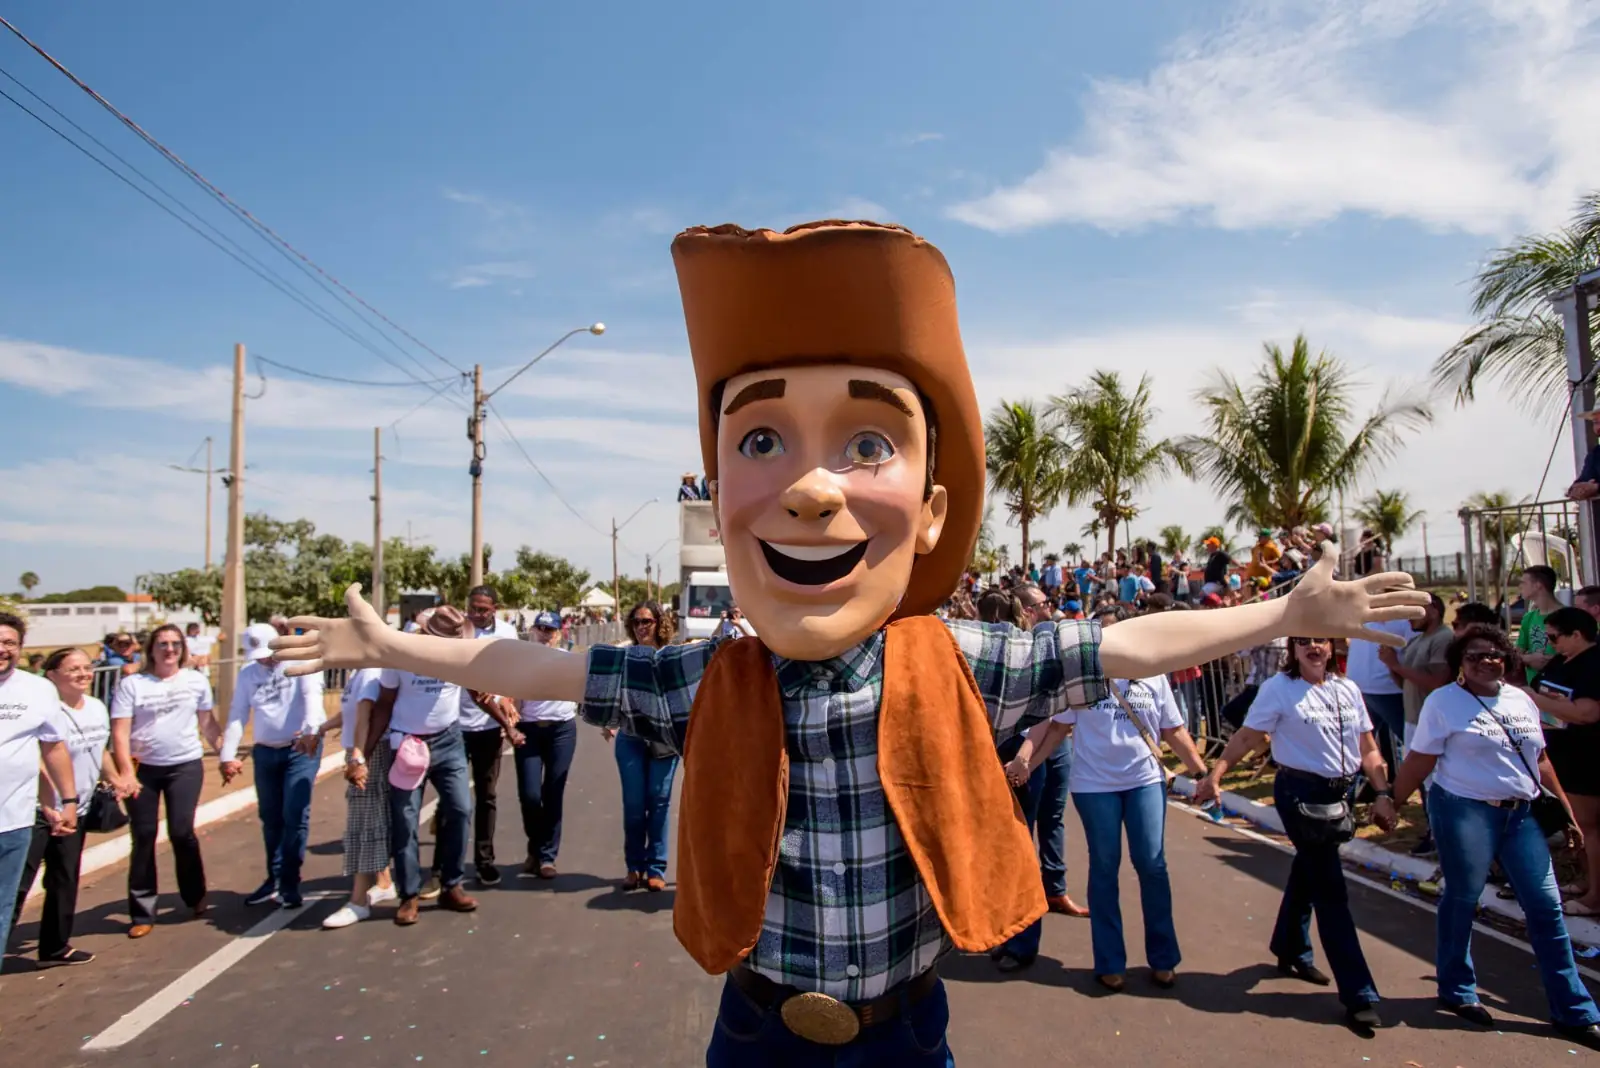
x=848, y=914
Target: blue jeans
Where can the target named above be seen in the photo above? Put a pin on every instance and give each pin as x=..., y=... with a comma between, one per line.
x=646, y=799
x=1470, y=835
x=447, y=771
x=543, y=762
x=1316, y=882
x=1143, y=811
x=284, y=778
x=13, y=857
x=1389, y=714
x=1051, y=818
x=749, y=1037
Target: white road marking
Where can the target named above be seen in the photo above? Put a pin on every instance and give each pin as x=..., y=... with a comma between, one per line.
x=156, y=1007
x=1382, y=888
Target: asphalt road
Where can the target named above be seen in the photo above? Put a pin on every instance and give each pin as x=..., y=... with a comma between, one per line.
x=575, y=973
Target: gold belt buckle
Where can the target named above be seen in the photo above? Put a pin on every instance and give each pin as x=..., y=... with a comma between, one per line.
x=821, y=1019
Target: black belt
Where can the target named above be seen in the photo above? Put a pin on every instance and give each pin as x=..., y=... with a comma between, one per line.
x=1511, y=803
x=1340, y=783
x=817, y=1026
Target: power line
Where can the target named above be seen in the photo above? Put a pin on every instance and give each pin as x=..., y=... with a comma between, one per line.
x=228, y=202
x=354, y=381
x=259, y=271
x=506, y=427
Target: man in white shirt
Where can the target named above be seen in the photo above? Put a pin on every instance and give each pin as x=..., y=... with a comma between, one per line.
x=287, y=753
x=31, y=731
x=487, y=721
x=199, y=647
x=1381, y=690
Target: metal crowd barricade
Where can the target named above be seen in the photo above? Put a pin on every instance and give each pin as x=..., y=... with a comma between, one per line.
x=1503, y=542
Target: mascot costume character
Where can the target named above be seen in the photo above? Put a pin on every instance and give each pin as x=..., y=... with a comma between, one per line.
x=845, y=820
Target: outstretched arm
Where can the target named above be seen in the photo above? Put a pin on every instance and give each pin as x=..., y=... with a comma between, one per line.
x=525, y=670
x=1318, y=608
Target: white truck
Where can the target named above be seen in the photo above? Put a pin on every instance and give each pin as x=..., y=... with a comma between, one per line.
x=704, y=594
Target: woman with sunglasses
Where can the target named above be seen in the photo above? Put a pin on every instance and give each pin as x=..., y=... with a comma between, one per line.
x=154, y=740
x=1321, y=736
x=1568, y=691
x=1481, y=741
x=647, y=770
x=86, y=727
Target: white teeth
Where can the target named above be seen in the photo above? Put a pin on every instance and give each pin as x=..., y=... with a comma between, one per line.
x=811, y=552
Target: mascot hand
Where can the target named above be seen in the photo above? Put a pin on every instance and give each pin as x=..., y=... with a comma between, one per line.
x=1320, y=607
x=357, y=641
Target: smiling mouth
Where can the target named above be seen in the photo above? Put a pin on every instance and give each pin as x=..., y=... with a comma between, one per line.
x=812, y=565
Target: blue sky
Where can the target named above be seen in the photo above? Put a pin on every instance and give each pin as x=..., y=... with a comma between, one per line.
x=1153, y=186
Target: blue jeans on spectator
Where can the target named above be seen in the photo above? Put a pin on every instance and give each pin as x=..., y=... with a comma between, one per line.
x=1389, y=714
x=284, y=778
x=13, y=857
x=543, y=762
x=447, y=771
x=748, y=1037
x=1470, y=835
x=1143, y=811
x=1316, y=882
x=1051, y=820
x=646, y=800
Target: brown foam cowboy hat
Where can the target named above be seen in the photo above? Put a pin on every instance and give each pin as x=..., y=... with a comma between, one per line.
x=832, y=291
x=445, y=622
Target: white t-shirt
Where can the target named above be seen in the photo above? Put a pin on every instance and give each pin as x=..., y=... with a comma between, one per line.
x=423, y=705
x=285, y=706
x=1305, y=723
x=546, y=711
x=360, y=686
x=87, y=732
x=1475, y=756
x=30, y=713
x=1363, y=667
x=473, y=717
x=165, y=714
x=199, y=645
x=1108, y=753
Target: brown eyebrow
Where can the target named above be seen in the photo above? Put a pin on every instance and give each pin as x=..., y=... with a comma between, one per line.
x=765, y=389
x=864, y=389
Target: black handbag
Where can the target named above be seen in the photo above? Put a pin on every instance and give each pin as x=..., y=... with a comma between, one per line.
x=1547, y=810
x=1330, y=824
x=104, y=814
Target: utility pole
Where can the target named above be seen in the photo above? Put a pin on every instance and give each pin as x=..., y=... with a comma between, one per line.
x=377, y=523
x=209, y=473
x=616, y=588
x=1427, y=561
x=233, y=607
x=475, y=432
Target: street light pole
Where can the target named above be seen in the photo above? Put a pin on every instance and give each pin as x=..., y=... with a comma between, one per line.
x=616, y=578
x=480, y=402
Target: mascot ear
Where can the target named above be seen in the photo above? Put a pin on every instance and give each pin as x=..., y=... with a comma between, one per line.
x=931, y=523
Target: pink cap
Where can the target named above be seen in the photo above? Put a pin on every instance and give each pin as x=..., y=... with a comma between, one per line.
x=410, y=764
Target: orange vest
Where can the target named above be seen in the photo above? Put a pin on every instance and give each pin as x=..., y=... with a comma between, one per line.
x=940, y=774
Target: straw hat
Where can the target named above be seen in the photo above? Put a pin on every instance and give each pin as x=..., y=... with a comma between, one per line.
x=830, y=292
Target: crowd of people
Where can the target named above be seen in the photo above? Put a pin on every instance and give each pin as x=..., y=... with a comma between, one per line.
x=1496, y=734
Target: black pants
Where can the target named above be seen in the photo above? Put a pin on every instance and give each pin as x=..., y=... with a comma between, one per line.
x=1234, y=711
x=60, y=857
x=179, y=786
x=483, y=756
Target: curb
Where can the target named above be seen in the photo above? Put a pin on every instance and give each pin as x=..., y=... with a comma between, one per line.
x=1377, y=858
x=115, y=851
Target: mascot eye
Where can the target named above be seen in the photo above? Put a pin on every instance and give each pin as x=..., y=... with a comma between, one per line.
x=868, y=448
x=761, y=443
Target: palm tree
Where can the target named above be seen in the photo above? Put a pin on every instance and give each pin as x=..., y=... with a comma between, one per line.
x=1498, y=529
x=1026, y=462
x=28, y=581
x=1388, y=514
x=1281, y=446
x=1519, y=340
x=1091, y=530
x=984, y=558
x=1174, y=542
x=1072, y=550
x=1114, y=454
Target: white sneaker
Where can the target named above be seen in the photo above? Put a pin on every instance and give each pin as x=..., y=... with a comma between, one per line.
x=382, y=895
x=349, y=913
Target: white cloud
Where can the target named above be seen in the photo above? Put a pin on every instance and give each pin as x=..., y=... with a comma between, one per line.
x=859, y=208
x=1455, y=114
x=487, y=274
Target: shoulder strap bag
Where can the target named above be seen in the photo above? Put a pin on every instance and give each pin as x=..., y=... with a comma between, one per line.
x=103, y=814
x=1548, y=811
x=1145, y=733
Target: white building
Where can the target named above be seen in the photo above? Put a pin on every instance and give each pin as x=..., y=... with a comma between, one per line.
x=51, y=626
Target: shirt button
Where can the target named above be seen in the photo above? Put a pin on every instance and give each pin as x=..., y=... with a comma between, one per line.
x=838, y=869
x=828, y=765
x=852, y=971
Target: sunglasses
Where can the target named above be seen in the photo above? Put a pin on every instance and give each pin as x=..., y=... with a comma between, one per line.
x=1310, y=641
x=643, y=621
x=1485, y=658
